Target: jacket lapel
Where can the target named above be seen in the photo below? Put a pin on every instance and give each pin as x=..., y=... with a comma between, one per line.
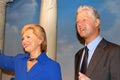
x=77, y=62
x=78, y=59
x=96, y=57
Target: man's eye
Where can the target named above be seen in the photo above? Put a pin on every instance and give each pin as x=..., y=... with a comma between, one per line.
x=84, y=20
x=28, y=36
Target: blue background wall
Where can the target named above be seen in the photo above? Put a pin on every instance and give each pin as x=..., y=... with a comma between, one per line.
x=22, y=12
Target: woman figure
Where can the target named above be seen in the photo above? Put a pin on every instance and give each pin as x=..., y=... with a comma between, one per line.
x=35, y=64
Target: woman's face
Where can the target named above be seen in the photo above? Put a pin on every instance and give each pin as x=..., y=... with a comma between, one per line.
x=30, y=41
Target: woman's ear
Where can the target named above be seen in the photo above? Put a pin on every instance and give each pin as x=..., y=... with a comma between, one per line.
x=40, y=41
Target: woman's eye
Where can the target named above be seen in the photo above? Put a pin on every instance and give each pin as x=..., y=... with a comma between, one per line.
x=25, y=37
x=22, y=39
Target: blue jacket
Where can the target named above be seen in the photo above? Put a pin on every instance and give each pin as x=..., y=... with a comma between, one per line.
x=44, y=69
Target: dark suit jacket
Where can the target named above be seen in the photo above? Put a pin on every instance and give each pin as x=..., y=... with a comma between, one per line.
x=104, y=64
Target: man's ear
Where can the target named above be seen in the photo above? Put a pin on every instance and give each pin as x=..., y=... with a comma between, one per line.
x=97, y=23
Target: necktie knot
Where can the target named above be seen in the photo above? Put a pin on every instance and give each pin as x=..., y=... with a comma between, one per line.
x=86, y=49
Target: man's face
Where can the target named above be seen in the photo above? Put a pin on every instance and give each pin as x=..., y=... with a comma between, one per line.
x=87, y=26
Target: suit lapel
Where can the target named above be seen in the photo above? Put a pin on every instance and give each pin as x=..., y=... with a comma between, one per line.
x=77, y=62
x=78, y=59
x=96, y=57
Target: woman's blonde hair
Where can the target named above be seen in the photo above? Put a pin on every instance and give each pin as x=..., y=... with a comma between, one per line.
x=39, y=32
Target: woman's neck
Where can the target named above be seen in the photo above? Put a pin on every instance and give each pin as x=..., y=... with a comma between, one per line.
x=35, y=54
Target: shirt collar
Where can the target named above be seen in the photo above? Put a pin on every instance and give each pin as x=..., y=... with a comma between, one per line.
x=92, y=45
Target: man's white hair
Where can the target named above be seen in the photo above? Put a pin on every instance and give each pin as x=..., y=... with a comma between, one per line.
x=90, y=10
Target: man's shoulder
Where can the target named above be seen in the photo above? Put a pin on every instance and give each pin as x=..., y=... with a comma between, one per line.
x=105, y=43
x=112, y=44
x=79, y=52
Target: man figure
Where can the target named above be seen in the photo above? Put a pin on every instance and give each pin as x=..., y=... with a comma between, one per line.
x=103, y=59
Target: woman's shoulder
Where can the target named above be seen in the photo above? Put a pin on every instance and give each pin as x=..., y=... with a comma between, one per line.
x=22, y=55
x=45, y=59
x=52, y=62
